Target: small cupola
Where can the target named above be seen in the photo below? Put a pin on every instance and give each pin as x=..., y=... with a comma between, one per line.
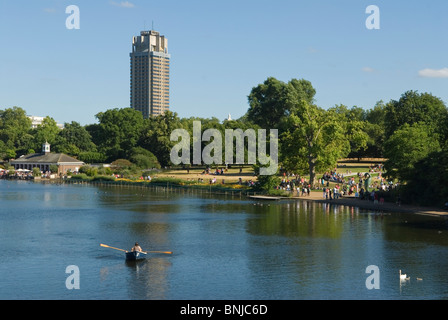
x=46, y=148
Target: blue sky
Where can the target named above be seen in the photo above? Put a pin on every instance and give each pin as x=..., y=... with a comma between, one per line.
x=219, y=51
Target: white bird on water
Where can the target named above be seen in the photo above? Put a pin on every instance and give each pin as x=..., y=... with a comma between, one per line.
x=403, y=277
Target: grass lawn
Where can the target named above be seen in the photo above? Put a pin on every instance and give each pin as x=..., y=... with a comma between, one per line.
x=232, y=175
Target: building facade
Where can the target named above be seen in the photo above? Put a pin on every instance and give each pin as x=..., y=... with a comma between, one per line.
x=45, y=159
x=150, y=74
x=37, y=121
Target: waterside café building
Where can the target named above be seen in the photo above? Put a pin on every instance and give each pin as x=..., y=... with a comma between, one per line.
x=45, y=159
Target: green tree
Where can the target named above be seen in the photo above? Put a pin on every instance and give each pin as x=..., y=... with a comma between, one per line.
x=118, y=131
x=314, y=142
x=47, y=131
x=273, y=100
x=92, y=157
x=156, y=136
x=243, y=124
x=375, y=130
x=407, y=146
x=413, y=107
x=15, y=127
x=426, y=184
x=74, y=139
x=354, y=124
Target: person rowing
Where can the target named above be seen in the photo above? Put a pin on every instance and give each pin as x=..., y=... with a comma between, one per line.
x=136, y=248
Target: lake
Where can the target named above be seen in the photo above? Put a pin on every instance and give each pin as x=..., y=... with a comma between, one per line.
x=224, y=247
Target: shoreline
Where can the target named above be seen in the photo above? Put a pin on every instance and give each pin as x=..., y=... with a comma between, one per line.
x=250, y=194
x=369, y=205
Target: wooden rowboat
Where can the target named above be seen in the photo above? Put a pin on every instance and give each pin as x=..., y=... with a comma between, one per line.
x=135, y=255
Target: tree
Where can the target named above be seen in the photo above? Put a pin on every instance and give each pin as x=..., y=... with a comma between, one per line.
x=374, y=128
x=118, y=131
x=267, y=103
x=92, y=157
x=315, y=140
x=156, y=136
x=244, y=125
x=413, y=107
x=407, y=146
x=15, y=127
x=74, y=139
x=353, y=121
x=5, y=152
x=47, y=131
x=273, y=100
x=426, y=184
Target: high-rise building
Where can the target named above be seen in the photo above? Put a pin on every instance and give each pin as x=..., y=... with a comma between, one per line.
x=150, y=73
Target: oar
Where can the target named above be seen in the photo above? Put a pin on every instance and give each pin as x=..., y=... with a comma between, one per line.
x=106, y=246
x=167, y=252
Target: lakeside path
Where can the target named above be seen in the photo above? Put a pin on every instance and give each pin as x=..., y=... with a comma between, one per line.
x=233, y=175
x=365, y=204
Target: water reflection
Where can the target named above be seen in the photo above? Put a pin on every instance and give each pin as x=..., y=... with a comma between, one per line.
x=224, y=247
x=147, y=279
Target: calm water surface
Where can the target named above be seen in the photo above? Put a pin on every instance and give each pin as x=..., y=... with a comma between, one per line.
x=224, y=247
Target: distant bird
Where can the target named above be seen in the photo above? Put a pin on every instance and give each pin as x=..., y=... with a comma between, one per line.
x=419, y=279
x=403, y=276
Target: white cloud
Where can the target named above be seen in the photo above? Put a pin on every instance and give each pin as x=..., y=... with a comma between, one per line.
x=368, y=69
x=123, y=4
x=434, y=73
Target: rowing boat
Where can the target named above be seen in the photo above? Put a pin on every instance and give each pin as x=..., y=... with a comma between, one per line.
x=135, y=255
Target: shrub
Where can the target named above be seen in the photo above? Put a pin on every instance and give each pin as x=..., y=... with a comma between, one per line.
x=144, y=159
x=89, y=170
x=121, y=163
x=81, y=176
x=104, y=171
x=103, y=178
x=36, y=172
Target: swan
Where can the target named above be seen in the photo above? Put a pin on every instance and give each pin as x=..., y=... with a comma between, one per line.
x=403, y=276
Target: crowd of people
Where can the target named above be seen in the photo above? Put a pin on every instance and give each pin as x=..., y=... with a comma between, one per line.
x=342, y=184
x=16, y=174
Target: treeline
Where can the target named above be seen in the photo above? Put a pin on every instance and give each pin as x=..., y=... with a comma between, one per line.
x=410, y=132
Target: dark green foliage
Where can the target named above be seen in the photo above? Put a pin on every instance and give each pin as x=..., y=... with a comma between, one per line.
x=427, y=185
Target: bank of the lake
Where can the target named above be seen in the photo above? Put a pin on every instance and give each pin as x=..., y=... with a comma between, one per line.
x=236, y=190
